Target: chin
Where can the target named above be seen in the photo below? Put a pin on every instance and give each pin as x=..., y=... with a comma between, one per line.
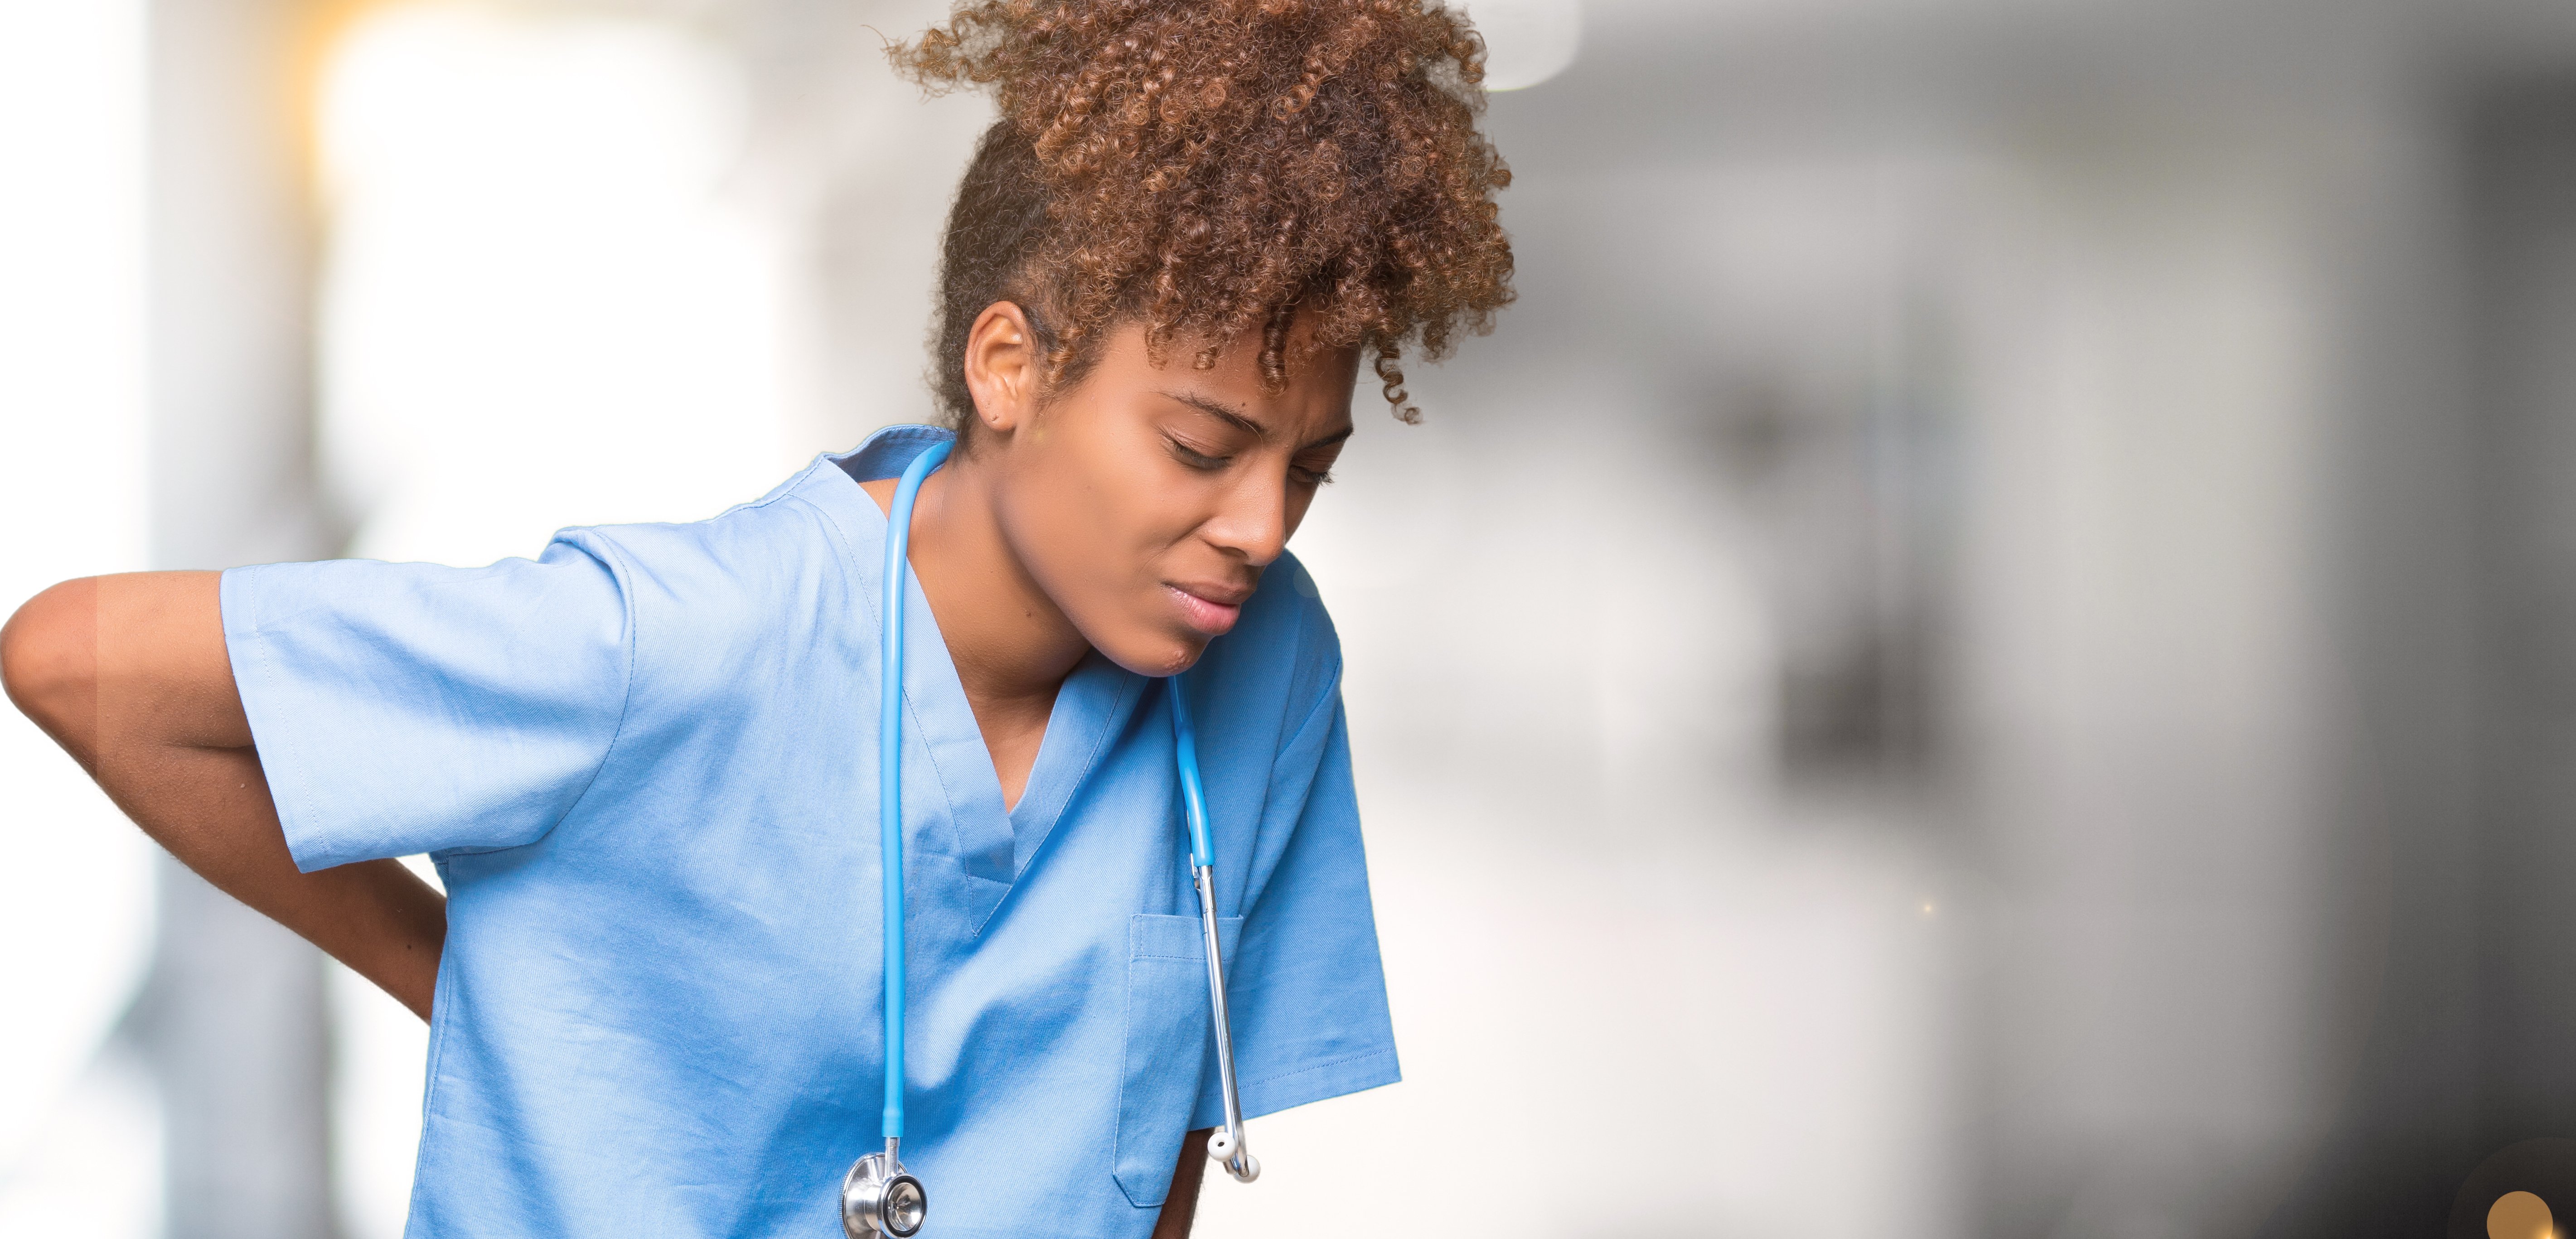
x=1156, y=656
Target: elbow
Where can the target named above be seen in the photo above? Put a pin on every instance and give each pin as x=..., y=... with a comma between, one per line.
x=49, y=662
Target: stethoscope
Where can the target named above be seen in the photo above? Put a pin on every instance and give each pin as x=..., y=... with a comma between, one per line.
x=880, y=1197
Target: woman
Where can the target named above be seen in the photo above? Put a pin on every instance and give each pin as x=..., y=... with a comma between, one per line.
x=640, y=761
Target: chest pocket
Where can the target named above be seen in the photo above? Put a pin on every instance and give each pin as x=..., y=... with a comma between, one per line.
x=1171, y=1048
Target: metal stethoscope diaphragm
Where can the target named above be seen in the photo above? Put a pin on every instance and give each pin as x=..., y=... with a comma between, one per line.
x=879, y=1198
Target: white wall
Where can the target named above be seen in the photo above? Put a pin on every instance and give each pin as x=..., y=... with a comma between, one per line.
x=78, y=1141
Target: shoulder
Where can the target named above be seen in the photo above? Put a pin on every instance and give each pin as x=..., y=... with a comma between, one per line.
x=782, y=531
x=1284, y=648
x=1287, y=617
x=730, y=571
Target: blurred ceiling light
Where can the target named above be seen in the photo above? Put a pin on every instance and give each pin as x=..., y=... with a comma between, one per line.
x=1526, y=41
x=542, y=306
x=2520, y=1215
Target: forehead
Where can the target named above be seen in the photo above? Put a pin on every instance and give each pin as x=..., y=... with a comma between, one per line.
x=1315, y=397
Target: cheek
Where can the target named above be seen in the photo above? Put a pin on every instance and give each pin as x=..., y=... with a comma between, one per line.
x=1094, y=516
x=1157, y=503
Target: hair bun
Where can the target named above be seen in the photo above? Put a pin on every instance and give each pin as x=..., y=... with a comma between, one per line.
x=1212, y=166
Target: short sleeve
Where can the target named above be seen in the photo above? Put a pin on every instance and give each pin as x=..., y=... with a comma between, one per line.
x=1306, y=989
x=408, y=708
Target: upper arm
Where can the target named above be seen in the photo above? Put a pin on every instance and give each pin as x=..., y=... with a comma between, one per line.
x=408, y=708
x=134, y=658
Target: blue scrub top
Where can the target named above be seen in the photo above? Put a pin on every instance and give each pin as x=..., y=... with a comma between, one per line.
x=645, y=766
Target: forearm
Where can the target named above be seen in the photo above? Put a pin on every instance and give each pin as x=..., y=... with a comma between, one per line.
x=211, y=808
x=129, y=675
x=1182, y=1206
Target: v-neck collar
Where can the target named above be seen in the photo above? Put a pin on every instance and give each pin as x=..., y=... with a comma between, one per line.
x=1089, y=707
x=1088, y=711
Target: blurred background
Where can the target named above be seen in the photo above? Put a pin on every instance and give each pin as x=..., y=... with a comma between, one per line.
x=1990, y=650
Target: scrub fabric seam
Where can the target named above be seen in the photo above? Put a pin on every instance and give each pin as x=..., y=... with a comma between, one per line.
x=1126, y=1080
x=1307, y=1085
x=912, y=711
x=956, y=841
x=1245, y=897
x=784, y=490
x=1229, y=933
x=442, y=1000
x=956, y=835
x=1332, y=686
x=443, y=994
x=268, y=674
x=1326, y=1065
x=614, y=559
x=622, y=573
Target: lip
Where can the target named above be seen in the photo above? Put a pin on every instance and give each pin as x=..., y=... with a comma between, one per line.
x=1211, y=609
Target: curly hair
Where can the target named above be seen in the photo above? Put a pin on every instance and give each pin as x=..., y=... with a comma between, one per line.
x=1213, y=167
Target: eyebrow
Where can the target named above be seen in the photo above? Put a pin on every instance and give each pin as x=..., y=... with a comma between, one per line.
x=1245, y=424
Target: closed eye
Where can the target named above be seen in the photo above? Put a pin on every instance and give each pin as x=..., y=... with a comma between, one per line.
x=1314, y=466
x=1194, y=458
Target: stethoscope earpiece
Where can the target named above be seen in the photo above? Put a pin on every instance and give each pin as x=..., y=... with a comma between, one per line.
x=1238, y=1161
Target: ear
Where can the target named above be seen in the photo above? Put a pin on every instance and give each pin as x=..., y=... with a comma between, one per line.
x=1002, y=367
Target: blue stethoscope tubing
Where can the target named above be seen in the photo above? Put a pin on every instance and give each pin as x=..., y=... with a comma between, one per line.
x=1226, y=1145
x=890, y=769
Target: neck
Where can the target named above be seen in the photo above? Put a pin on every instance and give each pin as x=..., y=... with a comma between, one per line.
x=1012, y=646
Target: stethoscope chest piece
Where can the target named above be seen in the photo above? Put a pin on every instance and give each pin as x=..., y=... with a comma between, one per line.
x=878, y=1199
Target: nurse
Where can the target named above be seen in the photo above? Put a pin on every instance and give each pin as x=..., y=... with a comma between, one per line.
x=644, y=761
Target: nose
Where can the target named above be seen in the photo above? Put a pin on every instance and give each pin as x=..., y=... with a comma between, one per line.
x=1252, y=524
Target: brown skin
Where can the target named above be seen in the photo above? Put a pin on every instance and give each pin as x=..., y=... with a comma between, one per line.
x=1075, y=520
x=1182, y=1206
x=128, y=674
